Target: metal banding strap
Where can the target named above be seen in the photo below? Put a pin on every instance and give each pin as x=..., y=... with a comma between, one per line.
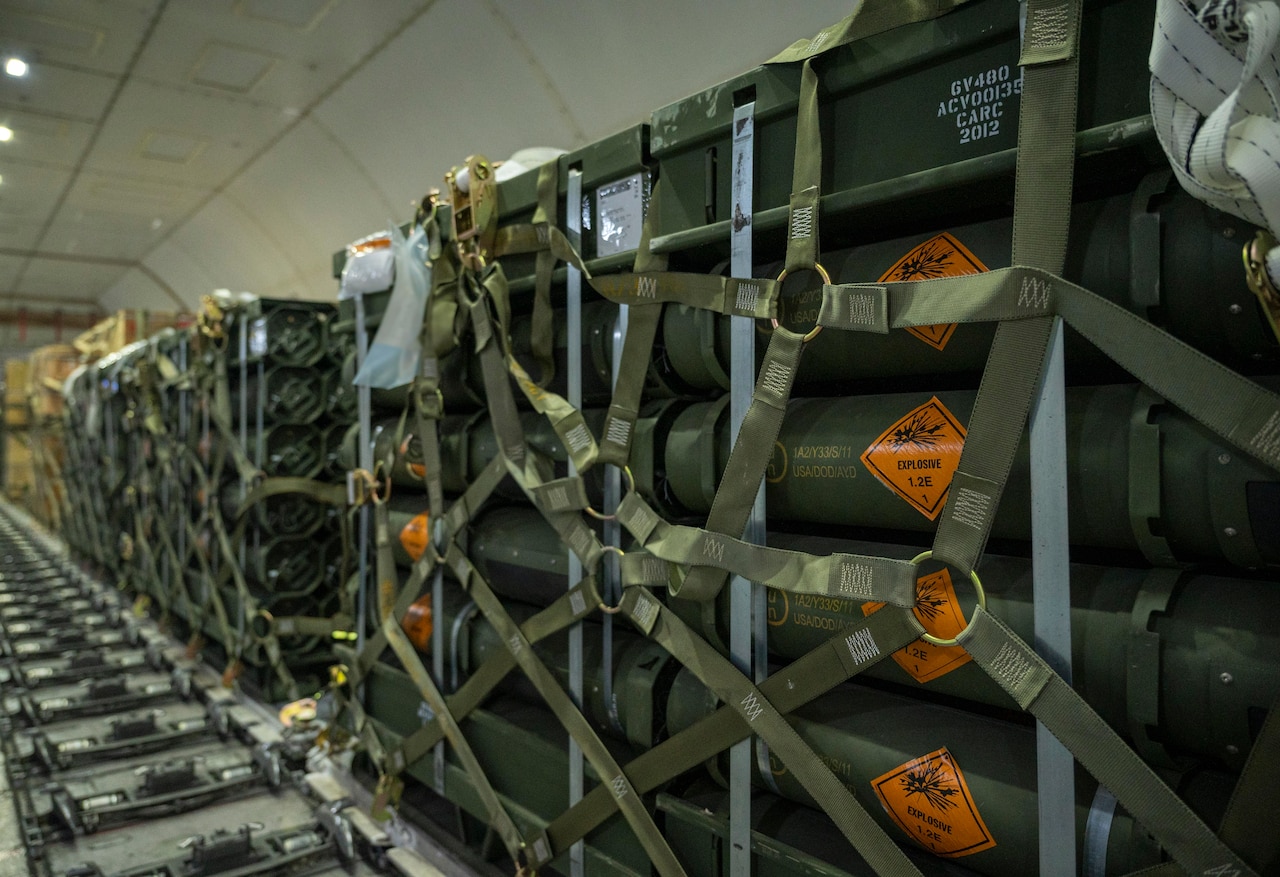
x=1097, y=833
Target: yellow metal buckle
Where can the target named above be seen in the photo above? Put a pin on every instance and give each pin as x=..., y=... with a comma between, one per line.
x=386, y=795
x=1255, y=273
x=977, y=587
x=473, y=212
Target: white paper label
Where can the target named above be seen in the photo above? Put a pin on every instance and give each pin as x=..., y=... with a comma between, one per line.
x=258, y=337
x=619, y=215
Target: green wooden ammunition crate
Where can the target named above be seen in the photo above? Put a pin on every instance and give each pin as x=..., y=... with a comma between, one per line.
x=922, y=97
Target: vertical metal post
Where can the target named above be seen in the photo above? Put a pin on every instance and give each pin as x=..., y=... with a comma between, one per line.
x=573, y=290
x=742, y=382
x=365, y=462
x=242, y=322
x=184, y=495
x=1055, y=766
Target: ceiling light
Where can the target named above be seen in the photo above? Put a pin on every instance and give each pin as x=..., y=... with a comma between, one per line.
x=15, y=67
x=6, y=134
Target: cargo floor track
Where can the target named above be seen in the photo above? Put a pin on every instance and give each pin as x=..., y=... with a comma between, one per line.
x=125, y=757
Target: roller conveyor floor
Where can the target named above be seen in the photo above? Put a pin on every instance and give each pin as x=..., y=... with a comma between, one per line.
x=123, y=756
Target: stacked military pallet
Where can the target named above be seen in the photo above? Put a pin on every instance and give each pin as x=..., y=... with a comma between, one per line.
x=204, y=484
x=126, y=758
x=1171, y=513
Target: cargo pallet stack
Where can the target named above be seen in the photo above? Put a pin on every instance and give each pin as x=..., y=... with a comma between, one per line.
x=213, y=504
x=885, y=415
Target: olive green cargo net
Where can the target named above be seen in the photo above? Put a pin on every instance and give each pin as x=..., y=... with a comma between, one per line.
x=695, y=562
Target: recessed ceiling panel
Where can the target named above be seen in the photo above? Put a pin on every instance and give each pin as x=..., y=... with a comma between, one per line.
x=298, y=14
x=85, y=33
x=281, y=54
x=232, y=130
x=45, y=140
x=174, y=147
x=231, y=68
x=117, y=216
x=408, y=137
x=67, y=94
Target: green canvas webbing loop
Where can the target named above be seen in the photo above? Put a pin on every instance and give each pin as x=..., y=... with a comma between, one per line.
x=806, y=178
x=870, y=17
x=543, y=329
x=850, y=576
x=316, y=491
x=864, y=643
x=1038, y=690
x=1042, y=211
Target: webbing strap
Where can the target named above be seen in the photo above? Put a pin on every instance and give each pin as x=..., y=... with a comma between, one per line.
x=499, y=819
x=574, y=605
x=1248, y=825
x=637, y=348
x=502, y=406
x=1041, y=692
x=806, y=178
x=624, y=409
x=1232, y=406
x=318, y=491
x=718, y=674
x=850, y=576
x=744, y=472
x=724, y=295
x=1042, y=210
x=854, y=649
x=543, y=330
x=569, y=716
x=749, y=458
x=868, y=18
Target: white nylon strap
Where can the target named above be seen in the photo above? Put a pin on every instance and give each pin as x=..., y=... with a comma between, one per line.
x=1215, y=98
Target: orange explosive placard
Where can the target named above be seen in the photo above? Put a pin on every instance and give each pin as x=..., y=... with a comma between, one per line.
x=415, y=535
x=929, y=799
x=418, y=623
x=917, y=456
x=938, y=612
x=940, y=256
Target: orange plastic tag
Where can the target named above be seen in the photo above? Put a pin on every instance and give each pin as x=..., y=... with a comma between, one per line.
x=929, y=799
x=415, y=535
x=917, y=456
x=938, y=611
x=940, y=256
x=299, y=712
x=417, y=470
x=417, y=623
